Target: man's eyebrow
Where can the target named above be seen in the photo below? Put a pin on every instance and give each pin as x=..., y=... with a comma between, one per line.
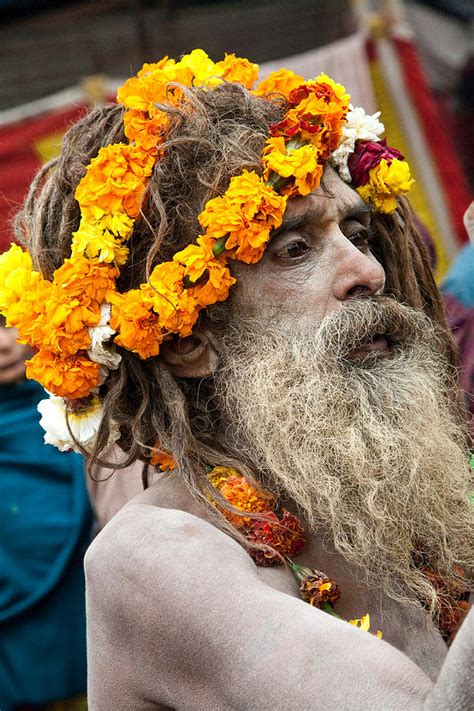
x=353, y=212
x=290, y=223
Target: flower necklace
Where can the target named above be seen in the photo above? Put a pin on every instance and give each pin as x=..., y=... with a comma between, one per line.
x=278, y=536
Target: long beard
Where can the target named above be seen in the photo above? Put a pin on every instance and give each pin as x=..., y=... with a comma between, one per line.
x=372, y=452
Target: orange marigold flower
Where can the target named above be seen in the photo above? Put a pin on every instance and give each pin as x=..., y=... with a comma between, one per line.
x=71, y=377
x=300, y=164
x=281, y=82
x=90, y=278
x=195, y=258
x=247, y=212
x=240, y=494
x=245, y=497
x=178, y=310
x=162, y=459
x=137, y=325
x=152, y=86
x=285, y=536
x=115, y=181
x=151, y=67
x=64, y=323
x=313, y=121
x=323, y=87
x=145, y=130
x=212, y=278
x=216, y=288
x=239, y=70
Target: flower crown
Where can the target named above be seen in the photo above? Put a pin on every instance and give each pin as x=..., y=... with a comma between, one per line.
x=77, y=320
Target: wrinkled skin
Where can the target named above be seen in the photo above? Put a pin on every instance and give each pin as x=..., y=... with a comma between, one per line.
x=179, y=616
x=318, y=259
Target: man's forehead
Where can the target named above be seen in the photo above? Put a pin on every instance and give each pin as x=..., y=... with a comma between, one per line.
x=324, y=205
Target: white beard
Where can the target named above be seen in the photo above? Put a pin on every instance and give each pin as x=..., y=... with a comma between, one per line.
x=372, y=452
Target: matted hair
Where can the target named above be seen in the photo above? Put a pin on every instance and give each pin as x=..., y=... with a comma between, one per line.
x=212, y=137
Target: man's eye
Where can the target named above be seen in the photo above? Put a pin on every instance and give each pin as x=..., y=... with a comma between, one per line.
x=362, y=239
x=292, y=251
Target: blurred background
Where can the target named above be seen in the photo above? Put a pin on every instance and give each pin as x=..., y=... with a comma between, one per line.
x=413, y=60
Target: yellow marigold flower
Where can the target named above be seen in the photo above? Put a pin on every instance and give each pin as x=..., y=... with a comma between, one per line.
x=385, y=183
x=115, y=181
x=72, y=377
x=27, y=312
x=239, y=70
x=14, y=258
x=92, y=242
x=162, y=459
x=247, y=212
x=300, y=164
x=80, y=277
x=151, y=67
x=178, y=310
x=364, y=624
x=16, y=273
x=281, y=82
x=204, y=70
x=137, y=325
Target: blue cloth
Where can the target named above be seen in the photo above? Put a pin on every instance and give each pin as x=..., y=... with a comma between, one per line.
x=45, y=524
x=460, y=279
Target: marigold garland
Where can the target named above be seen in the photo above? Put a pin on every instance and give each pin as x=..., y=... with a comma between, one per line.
x=59, y=316
x=279, y=537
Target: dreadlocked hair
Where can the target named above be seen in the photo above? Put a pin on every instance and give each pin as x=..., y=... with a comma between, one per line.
x=212, y=136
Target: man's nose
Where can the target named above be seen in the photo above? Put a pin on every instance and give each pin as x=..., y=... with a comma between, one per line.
x=358, y=274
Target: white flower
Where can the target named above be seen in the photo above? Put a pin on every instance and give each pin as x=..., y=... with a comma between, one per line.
x=100, y=334
x=358, y=127
x=84, y=423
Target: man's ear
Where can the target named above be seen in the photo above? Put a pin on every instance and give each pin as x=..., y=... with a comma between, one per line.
x=193, y=357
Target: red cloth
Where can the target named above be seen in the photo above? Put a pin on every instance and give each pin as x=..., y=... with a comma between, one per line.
x=19, y=160
x=437, y=134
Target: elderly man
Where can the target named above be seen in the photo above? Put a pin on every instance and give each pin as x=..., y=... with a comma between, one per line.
x=245, y=306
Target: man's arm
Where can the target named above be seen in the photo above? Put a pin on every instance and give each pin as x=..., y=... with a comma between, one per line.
x=178, y=616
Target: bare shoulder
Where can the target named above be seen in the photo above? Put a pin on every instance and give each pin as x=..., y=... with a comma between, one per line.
x=147, y=546
x=178, y=616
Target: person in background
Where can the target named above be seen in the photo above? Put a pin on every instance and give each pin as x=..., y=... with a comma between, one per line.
x=45, y=528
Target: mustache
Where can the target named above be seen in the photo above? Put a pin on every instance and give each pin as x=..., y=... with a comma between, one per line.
x=358, y=322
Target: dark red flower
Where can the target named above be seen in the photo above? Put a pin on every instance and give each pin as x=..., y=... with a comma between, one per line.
x=286, y=128
x=366, y=156
x=317, y=588
x=321, y=91
x=284, y=536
